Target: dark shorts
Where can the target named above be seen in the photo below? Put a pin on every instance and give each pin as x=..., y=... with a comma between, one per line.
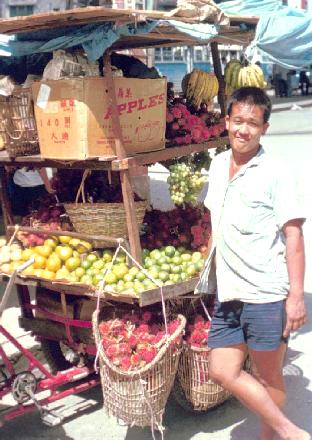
x=260, y=326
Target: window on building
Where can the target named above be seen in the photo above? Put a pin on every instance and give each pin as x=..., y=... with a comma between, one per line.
x=167, y=54
x=198, y=52
x=157, y=54
x=19, y=10
x=178, y=54
x=140, y=4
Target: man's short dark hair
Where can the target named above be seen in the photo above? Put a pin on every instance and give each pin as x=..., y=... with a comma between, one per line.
x=252, y=96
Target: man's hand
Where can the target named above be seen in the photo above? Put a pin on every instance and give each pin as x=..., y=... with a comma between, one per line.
x=295, y=313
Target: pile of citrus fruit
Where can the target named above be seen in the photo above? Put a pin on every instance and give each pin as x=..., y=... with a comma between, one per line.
x=74, y=260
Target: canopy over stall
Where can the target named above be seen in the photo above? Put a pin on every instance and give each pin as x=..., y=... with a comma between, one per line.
x=111, y=28
x=283, y=35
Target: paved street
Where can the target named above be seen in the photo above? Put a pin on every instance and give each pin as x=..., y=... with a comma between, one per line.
x=290, y=139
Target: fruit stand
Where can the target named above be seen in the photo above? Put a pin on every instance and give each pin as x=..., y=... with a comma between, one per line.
x=72, y=303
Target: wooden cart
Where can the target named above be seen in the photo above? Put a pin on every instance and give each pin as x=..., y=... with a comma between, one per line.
x=52, y=330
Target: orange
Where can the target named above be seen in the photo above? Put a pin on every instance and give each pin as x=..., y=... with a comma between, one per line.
x=62, y=274
x=43, y=250
x=38, y=273
x=64, y=252
x=72, y=263
x=27, y=254
x=50, y=242
x=48, y=275
x=64, y=239
x=54, y=263
x=40, y=262
x=120, y=270
x=29, y=271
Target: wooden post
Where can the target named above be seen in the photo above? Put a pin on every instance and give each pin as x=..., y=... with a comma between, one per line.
x=127, y=192
x=5, y=202
x=218, y=72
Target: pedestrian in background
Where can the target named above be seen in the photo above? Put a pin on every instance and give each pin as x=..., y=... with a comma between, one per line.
x=258, y=242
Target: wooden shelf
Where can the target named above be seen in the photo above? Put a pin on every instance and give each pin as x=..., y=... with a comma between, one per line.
x=143, y=299
x=112, y=163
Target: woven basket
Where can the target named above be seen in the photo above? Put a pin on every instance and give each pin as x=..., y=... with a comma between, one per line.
x=139, y=397
x=18, y=130
x=101, y=218
x=193, y=376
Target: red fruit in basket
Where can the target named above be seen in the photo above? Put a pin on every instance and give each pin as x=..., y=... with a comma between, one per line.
x=124, y=348
x=198, y=337
x=132, y=341
x=177, y=113
x=159, y=336
x=104, y=328
x=175, y=126
x=169, y=117
x=146, y=316
x=173, y=325
x=154, y=329
x=135, y=359
x=200, y=325
x=106, y=342
x=125, y=363
x=147, y=354
x=198, y=318
x=142, y=328
x=112, y=351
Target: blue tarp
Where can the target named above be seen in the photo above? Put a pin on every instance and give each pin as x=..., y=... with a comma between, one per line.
x=94, y=38
x=283, y=34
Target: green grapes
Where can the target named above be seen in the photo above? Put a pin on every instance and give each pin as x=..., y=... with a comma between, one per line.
x=184, y=183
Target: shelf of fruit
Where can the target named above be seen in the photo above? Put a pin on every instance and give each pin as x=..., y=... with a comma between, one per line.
x=72, y=265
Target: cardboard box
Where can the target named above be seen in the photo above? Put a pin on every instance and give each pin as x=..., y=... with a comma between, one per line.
x=74, y=116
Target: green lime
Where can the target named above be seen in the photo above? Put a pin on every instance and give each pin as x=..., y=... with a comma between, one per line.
x=79, y=272
x=85, y=264
x=98, y=264
x=163, y=276
x=140, y=276
x=110, y=278
x=155, y=254
x=186, y=257
x=134, y=270
x=177, y=278
x=107, y=255
x=128, y=277
x=176, y=260
x=86, y=279
x=170, y=251
x=199, y=265
x=148, y=263
x=191, y=270
x=165, y=267
x=91, y=257
x=175, y=269
x=196, y=256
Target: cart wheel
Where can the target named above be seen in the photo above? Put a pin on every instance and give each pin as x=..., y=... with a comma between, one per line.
x=54, y=355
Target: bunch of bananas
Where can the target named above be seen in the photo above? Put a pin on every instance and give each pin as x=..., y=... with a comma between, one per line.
x=200, y=87
x=236, y=75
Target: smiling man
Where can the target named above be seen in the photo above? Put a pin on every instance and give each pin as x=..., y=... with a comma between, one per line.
x=257, y=237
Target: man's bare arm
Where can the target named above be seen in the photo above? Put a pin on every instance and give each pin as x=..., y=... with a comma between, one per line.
x=295, y=308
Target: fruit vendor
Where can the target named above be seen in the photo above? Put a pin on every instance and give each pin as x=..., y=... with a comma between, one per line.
x=26, y=186
x=257, y=237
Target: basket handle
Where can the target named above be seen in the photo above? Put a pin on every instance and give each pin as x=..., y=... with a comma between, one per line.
x=81, y=189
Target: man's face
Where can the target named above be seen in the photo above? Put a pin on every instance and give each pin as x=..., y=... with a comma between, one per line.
x=245, y=126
